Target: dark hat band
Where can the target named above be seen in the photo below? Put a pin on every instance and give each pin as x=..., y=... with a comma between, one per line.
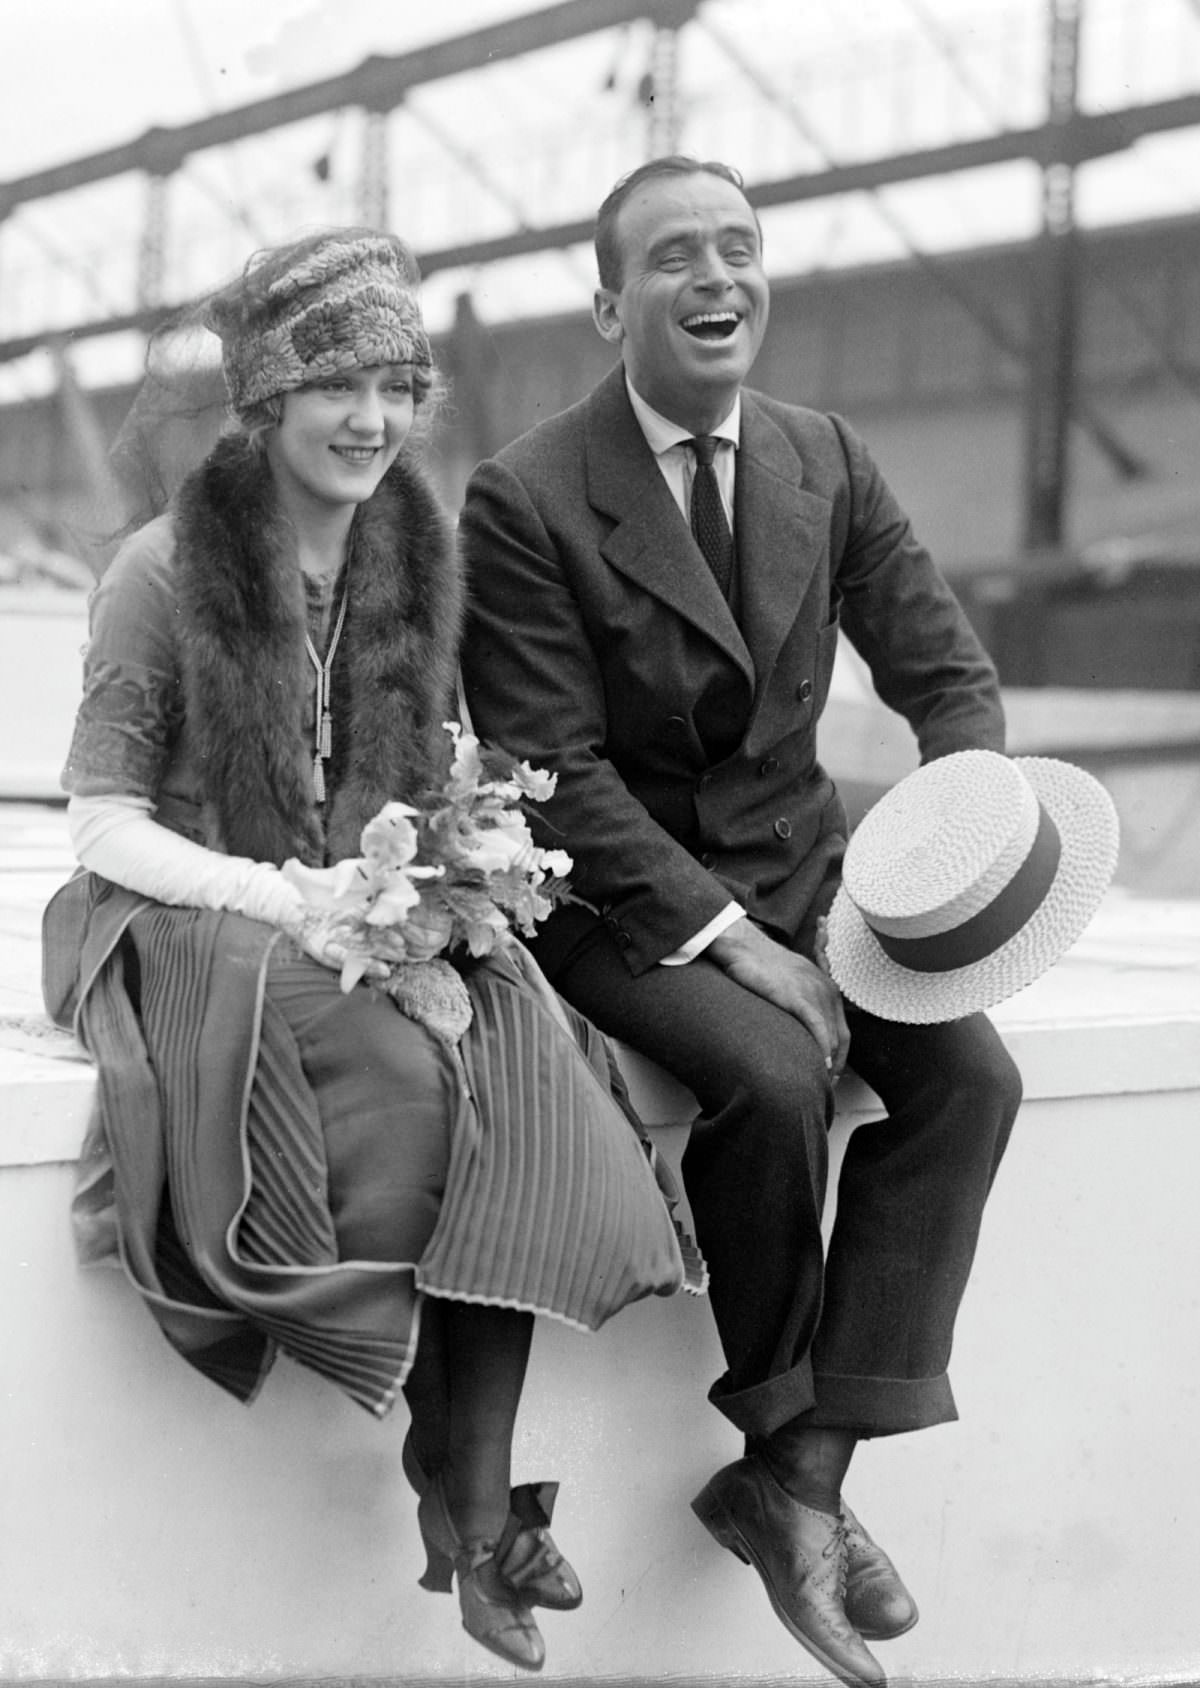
x=995, y=923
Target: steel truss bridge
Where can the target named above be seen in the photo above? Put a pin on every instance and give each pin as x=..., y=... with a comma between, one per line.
x=1066, y=138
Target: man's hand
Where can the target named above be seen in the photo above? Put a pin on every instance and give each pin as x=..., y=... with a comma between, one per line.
x=790, y=981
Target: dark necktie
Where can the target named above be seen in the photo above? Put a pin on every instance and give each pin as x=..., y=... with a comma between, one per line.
x=708, y=516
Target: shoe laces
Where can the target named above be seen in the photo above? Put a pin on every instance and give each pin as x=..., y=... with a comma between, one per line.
x=835, y=1549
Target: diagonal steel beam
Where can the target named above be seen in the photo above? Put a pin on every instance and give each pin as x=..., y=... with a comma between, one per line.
x=379, y=83
x=1126, y=463
x=1089, y=136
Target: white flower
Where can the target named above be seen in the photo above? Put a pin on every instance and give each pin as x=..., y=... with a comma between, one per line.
x=341, y=886
x=353, y=969
x=467, y=765
x=536, y=783
x=382, y=909
x=390, y=838
x=483, y=927
x=498, y=848
x=393, y=905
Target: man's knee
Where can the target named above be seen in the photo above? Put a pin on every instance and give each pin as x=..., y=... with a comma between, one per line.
x=964, y=1064
x=775, y=1059
x=976, y=1100
x=762, y=1141
x=991, y=1080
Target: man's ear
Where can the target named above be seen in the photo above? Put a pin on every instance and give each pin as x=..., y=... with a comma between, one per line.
x=606, y=316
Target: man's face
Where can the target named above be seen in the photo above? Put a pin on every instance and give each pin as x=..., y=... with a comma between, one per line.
x=692, y=306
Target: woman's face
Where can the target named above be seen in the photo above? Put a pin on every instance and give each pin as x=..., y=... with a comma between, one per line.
x=338, y=438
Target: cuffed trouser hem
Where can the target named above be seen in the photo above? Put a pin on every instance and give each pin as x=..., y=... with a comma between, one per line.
x=872, y=1406
x=881, y=1406
x=763, y=1407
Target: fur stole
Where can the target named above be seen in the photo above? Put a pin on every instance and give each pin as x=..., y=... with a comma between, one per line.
x=247, y=678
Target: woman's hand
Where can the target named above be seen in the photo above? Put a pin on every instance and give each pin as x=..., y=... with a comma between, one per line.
x=317, y=935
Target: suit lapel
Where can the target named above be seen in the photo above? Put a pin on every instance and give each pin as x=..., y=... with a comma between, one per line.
x=651, y=544
x=782, y=534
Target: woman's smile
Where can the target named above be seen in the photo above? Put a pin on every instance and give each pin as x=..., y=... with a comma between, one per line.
x=356, y=453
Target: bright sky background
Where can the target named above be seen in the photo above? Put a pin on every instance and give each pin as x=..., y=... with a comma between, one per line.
x=774, y=86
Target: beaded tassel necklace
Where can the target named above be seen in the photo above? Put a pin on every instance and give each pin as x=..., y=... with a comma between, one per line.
x=323, y=747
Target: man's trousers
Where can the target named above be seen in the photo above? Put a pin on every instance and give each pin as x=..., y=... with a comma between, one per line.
x=859, y=1338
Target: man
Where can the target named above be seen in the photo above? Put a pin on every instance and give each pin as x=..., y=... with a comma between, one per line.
x=675, y=684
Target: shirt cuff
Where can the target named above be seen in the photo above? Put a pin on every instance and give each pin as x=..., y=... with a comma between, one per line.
x=697, y=944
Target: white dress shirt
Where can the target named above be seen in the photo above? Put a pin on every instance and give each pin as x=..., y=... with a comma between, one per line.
x=669, y=443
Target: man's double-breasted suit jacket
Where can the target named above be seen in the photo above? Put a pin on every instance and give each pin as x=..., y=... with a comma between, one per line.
x=683, y=729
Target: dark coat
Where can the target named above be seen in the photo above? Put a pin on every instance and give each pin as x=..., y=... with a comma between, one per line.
x=685, y=741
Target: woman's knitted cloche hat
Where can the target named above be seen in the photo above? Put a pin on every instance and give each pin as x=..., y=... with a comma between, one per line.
x=966, y=882
x=334, y=302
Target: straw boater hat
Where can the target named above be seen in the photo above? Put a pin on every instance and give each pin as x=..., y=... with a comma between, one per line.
x=967, y=882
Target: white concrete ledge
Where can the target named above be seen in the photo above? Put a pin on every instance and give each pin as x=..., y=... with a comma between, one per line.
x=1119, y=1016
x=155, y=1530
x=46, y=1091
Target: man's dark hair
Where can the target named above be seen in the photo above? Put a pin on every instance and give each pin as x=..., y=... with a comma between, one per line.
x=609, y=262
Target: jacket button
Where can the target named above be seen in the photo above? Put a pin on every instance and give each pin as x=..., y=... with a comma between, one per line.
x=783, y=828
x=676, y=724
x=623, y=940
x=804, y=691
x=708, y=859
x=770, y=766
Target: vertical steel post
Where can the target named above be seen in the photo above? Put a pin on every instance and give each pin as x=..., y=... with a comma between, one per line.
x=475, y=372
x=152, y=248
x=1054, y=305
x=661, y=88
x=374, y=190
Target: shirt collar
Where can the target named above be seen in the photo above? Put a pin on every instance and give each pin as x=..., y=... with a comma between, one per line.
x=661, y=433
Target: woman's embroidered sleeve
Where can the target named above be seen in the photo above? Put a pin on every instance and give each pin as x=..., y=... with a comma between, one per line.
x=131, y=709
x=122, y=729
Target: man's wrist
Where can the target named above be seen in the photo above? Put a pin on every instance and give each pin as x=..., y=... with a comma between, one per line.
x=733, y=942
x=701, y=942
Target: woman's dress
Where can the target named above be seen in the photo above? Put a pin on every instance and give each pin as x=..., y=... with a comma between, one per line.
x=281, y=1166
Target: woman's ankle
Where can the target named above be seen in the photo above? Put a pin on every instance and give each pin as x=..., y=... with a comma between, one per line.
x=478, y=1511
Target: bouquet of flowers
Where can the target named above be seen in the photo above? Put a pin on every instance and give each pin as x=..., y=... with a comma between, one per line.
x=456, y=870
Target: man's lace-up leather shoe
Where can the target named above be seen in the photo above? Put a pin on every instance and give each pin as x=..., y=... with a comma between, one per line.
x=876, y=1601
x=800, y=1554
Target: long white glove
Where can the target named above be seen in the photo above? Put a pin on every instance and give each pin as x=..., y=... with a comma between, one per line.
x=117, y=837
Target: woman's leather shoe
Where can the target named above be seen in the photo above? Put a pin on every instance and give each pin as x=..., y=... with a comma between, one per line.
x=800, y=1554
x=876, y=1601
x=526, y=1554
x=492, y=1613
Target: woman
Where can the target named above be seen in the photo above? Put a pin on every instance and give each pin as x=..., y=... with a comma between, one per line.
x=281, y=1164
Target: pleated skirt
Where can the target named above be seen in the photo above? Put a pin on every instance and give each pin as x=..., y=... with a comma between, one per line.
x=282, y=1167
